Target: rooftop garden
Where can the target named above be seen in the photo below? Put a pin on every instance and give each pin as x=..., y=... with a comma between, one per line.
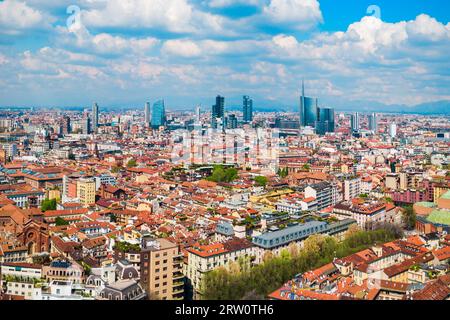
x=127, y=247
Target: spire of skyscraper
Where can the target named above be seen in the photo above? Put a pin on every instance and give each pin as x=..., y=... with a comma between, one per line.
x=303, y=87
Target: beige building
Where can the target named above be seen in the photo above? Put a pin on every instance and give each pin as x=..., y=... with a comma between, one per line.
x=161, y=270
x=205, y=258
x=86, y=191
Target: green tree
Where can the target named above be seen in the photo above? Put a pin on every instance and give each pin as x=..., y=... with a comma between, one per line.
x=48, y=204
x=61, y=222
x=220, y=174
x=261, y=181
x=132, y=163
x=409, y=217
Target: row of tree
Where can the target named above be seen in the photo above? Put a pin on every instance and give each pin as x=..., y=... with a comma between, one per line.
x=239, y=281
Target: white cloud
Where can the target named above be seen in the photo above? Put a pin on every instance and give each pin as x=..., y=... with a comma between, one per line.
x=177, y=16
x=17, y=16
x=302, y=14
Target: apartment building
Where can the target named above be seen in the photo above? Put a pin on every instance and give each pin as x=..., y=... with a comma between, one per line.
x=352, y=188
x=86, y=191
x=161, y=270
x=368, y=214
x=323, y=192
x=205, y=258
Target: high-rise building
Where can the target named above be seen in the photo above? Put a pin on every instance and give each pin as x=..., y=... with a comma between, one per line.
x=373, y=122
x=308, y=109
x=198, y=114
x=232, y=122
x=325, y=121
x=147, y=114
x=86, y=124
x=66, y=126
x=355, y=122
x=158, y=114
x=248, y=109
x=218, y=111
x=161, y=269
x=393, y=130
x=95, y=117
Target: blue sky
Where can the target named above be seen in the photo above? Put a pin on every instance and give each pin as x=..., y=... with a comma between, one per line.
x=123, y=53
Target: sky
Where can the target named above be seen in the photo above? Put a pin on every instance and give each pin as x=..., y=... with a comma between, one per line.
x=126, y=52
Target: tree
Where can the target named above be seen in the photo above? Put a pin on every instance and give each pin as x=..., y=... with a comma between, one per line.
x=409, y=217
x=352, y=230
x=220, y=174
x=48, y=204
x=261, y=181
x=283, y=173
x=132, y=163
x=61, y=222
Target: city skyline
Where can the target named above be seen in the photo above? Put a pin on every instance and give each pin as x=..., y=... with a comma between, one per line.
x=262, y=49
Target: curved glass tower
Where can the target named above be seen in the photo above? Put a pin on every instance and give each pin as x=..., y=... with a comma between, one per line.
x=158, y=114
x=308, y=110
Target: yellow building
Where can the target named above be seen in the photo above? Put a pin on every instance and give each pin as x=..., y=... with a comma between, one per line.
x=86, y=191
x=439, y=191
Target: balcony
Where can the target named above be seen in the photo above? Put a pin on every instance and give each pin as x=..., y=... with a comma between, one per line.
x=178, y=275
x=178, y=291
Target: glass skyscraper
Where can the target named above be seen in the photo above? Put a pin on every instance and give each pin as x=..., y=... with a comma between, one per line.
x=218, y=111
x=373, y=123
x=147, y=114
x=95, y=117
x=355, y=122
x=308, y=110
x=325, y=121
x=248, y=109
x=158, y=114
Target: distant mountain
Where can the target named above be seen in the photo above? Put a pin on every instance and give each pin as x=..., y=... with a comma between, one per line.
x=437, y=107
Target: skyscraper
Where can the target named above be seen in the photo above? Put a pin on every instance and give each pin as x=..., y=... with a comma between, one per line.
x=95, y=117
x=218, y=111
x=86, y=124
x=231, y=122
x=158, y=114
x=355, y=122
x=198, y=114
x=308, y=109
x=147, y=114
x=373, y=124
x=67, y=127
x=248, y=109
x=325, y=121
x=393, y=130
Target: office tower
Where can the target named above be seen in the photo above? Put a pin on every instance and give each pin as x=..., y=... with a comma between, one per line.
x=325, y=121
x=161, y=269
x=66, y=127
x=86, y=124
x=393, y=130
x=248, y=109
x=86, y=191
x=231, y=122
x=218, y=111
x=198, y=114
x=158, y=114
x=373, y=124
x=308, y=109
x=286, y=124
x=147, y=114
x=95, y=117
x=355, y=122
